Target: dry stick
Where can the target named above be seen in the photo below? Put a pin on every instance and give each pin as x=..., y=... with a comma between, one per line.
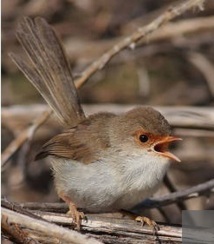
x=142, y=32
x=131, y=40
x=17, y=208
x=49, y=229
x=205, y=67
x=27, y=133
x=192, y=192
x=131, y=232
x=182, y=27
x=189, y=117
x=49, y=207
x=97, y=224
x=170, y=31
x=16, y=233
x=104, y=227
x=115, y=226
x=168, y=183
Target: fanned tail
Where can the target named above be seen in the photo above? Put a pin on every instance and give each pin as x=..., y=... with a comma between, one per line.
x=48, y=69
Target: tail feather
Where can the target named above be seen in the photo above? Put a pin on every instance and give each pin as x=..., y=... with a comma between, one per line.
x=48, y=69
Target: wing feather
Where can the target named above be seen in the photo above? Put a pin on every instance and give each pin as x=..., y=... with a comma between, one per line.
x=83, y=143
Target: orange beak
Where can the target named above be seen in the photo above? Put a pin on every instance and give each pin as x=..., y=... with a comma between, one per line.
x=161, y=147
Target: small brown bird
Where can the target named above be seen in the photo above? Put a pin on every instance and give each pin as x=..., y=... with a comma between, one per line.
x=101, y=163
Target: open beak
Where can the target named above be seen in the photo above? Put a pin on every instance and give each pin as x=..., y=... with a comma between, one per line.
x=161, y=147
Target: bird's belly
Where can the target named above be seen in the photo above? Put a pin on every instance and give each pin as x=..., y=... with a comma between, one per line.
x=91, y=187
x=97, y=188
x=131, y=198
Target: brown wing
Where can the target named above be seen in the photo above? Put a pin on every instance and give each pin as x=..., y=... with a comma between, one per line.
x=83, y=143
x=67, y=145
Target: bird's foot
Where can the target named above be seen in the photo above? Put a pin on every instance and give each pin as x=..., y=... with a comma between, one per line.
x=144, y=220
x=76, y=215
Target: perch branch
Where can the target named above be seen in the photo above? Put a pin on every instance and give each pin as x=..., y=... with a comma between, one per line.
x=97, y=225
x=118, y=230
x=46, y=228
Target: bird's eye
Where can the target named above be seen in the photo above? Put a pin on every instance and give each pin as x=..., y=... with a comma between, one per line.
x=143, y=138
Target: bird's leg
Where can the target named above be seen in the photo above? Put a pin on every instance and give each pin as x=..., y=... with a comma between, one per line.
x=142, y=219
x=73, y=212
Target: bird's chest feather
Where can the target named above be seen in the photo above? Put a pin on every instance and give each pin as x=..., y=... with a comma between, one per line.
x=109, y=185
x=140, y=178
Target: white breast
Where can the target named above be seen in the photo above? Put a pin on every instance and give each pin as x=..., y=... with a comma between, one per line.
x=109, y=186
x=140, y=178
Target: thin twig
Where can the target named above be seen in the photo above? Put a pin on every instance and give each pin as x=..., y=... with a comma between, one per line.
x=18, y=208
x=132, y=39
x=193, y=192
x=181, y=28
x=168, y=183
x=56, y=207
x=189, y=117
x=205, y=67
x=27, y=133
x=170, y=33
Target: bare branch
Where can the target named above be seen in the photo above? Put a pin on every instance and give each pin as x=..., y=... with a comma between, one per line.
x=25, y=135
x=182, y=27
x=193, y=192
x=16, y=233
x=50, y=230
x=200, y=118
x=142, y=32
x=205, y=67
x=97, y=225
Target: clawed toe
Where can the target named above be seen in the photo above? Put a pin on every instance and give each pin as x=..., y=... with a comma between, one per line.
x=144, y=220
x=73, y=212
x=76, y=215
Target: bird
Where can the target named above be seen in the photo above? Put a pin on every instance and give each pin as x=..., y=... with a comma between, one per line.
x=103, y=162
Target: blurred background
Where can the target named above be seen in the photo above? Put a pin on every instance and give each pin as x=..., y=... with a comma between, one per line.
x=174, y=67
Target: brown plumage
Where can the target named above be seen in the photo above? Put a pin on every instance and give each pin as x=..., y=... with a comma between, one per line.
x=86, y=141
x=83, y=142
